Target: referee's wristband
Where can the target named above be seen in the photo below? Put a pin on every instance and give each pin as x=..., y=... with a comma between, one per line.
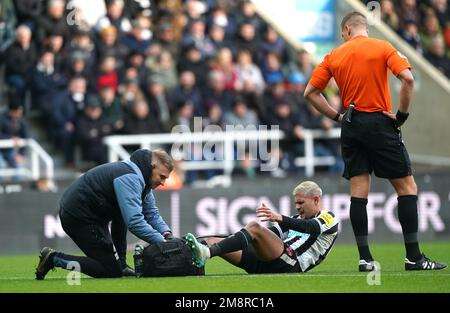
x=336, y=118
x=401, y=117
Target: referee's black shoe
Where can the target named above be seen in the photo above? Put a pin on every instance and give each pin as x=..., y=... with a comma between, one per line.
x=45, y=263
x=424, y=264
x=367, y=266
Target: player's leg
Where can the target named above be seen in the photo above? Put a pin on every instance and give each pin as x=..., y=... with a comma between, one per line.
x=232, y=257
x=266, y=244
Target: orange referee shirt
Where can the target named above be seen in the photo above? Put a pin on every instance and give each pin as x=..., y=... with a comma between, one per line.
x=361, y=67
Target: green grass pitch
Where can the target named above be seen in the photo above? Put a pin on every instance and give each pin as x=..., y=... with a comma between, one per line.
x=338, y=273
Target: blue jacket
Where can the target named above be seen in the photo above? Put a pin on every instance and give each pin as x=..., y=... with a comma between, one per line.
x=118, y=190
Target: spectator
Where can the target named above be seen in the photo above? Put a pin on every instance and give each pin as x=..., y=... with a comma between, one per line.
x=108, y=73
x=437, y=56
x=223, y=62
x=408, y=11
x=191, y=60
x=91, y=130
x=219, y=16
x=271, y=69
x=294, y=94
x=28, y=11
x=411, y=35
x=164, y=69
x=273, y=43
x=140, y=120
x=241, y=115
x=442, y=11
x=215, y=92
x=140, y=37
x=46, y=82
x=115, y=17
x=187, y=91
x=196, y=36
x=158, y=101
x=430, y=31
x=110, y=45
x=112, y=108
x=81, y=43
x=389, y=16
x=67, y=107
x=166, y=38
x=20, y=58
x=54, y=42
x=13, y=126
x=246, y=39
x=249, y=74
x=247, y=13
x=216, y=34
x=53, y=21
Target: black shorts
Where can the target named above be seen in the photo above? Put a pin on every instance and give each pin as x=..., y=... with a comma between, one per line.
x=286, y=263
x=372, y=142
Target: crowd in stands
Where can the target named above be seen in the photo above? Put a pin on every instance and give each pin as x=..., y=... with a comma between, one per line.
x=424, y=24
x=97, y=68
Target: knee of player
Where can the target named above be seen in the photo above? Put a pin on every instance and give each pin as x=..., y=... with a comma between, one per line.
x=254, y=228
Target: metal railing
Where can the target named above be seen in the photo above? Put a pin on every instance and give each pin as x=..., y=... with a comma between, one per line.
x=227, y=141
x=32, y=168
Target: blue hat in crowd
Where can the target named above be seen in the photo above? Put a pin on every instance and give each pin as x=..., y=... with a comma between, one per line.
x=274, y=78
x=297, y=78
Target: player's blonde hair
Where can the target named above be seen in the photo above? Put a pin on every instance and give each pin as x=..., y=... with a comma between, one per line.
x=308, y=189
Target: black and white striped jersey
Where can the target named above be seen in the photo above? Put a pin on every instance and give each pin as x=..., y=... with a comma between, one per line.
x=311, y=239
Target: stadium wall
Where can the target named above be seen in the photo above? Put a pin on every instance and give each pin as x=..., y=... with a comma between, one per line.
x=29, y=220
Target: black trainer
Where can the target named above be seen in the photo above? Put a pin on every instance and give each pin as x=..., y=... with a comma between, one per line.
x=424, y=264
x=45, y=263
x=366, y=266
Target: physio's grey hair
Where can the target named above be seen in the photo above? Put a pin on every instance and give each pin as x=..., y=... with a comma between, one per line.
x=308, y=189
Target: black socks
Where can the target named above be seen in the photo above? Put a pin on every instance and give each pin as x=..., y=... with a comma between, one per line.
x=358, y=218
x=408, y=218
x=235, y=242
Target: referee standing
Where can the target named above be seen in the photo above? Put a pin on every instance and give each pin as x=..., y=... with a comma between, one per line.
x=370, y=135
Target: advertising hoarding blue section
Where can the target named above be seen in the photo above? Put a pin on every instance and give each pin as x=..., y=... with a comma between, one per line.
x=317, y=19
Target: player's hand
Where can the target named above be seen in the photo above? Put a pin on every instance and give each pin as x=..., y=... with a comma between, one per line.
x=266, y=214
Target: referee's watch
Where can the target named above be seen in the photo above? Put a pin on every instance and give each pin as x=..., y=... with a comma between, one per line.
x=336, y=118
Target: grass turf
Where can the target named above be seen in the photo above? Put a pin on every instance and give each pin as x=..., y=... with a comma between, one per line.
x=338, y=273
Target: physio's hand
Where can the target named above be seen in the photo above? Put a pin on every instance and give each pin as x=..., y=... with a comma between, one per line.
x=168, y=235
x=266, y=214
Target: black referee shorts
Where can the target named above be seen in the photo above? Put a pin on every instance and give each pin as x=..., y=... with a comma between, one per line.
x=372, y=142
x=252, y=265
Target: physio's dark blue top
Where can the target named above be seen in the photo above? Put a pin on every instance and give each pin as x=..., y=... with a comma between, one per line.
x=118, y=190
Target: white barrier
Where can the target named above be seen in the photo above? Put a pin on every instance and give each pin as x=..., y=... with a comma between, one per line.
x=227, y=140
x=36, y=153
